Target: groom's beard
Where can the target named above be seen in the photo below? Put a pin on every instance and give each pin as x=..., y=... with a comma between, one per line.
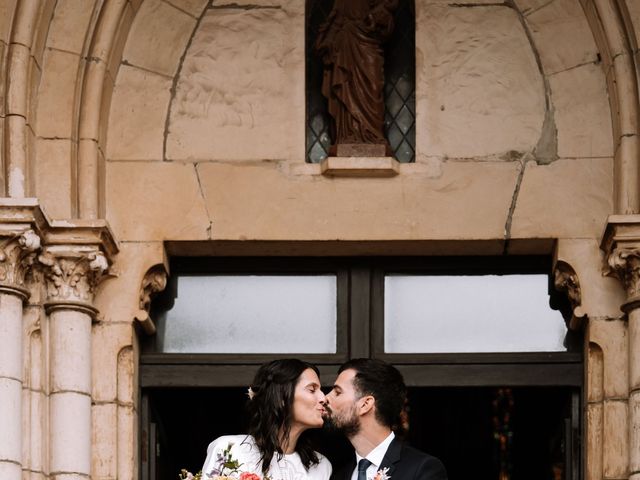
x=347, y=423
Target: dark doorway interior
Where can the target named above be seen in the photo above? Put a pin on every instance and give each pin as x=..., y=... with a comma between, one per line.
x=464, y=427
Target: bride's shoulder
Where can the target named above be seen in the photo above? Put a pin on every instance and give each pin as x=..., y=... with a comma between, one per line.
x=238, y=444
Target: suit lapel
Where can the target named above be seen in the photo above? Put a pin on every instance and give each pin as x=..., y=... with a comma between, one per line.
x=392, y=457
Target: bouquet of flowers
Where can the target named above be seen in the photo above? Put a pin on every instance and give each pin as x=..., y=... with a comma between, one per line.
x=228, y=468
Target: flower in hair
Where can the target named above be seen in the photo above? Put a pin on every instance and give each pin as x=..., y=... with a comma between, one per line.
x=250, y=393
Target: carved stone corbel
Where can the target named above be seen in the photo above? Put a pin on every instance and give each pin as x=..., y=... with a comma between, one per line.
x=154, y=281
x=17, y=254
x=566, y=280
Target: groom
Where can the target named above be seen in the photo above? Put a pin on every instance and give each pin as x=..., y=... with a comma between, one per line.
x=366, y=404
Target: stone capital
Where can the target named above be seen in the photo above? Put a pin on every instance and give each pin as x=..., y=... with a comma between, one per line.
x=75, y=259
x=621, y=244
x=20, y=223
x=17, y=253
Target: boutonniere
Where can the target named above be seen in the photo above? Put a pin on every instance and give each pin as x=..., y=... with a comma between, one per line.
x=382, y=474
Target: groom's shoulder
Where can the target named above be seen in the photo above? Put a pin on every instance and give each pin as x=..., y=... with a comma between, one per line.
x=426, y=463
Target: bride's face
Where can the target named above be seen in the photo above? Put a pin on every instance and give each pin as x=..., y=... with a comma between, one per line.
x=308, y=401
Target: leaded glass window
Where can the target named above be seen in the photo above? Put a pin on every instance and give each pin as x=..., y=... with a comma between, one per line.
x=400, y=101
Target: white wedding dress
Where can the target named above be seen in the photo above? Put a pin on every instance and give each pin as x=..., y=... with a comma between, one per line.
x=245, y=451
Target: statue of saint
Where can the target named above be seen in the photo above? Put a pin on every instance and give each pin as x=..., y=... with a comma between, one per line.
x=350, y=44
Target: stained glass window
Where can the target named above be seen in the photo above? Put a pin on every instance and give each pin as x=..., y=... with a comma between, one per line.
x=400, y=100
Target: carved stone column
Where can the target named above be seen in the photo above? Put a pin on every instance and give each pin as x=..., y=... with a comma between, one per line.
x=74, y=261
x=622, y=244
x=18, y=244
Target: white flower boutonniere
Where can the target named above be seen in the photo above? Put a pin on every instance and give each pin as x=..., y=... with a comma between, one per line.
x=382, y=474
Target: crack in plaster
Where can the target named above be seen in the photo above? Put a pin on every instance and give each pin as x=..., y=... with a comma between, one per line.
x=53, y=138
x=477, y=5
x=584, y=64
x=514, y=201
x=62, y=50
x=84, y=475
x=174, y=83
x=619, y=141
x=537, y=9
x=246, y=7
x=6, y=460
x=31, y=470
x=179, y=9
x=204, y=201
x=129, y=64
x=75, y=392
x=117, y=403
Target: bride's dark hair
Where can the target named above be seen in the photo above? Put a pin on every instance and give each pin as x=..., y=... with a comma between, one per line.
x=271, y=410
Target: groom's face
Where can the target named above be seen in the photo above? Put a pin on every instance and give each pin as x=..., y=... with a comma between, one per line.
x=341, y=405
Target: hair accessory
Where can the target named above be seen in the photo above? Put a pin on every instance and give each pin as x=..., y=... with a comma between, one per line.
x=250, y=393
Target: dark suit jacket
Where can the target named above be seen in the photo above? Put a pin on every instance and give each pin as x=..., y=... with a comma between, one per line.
x=404, y=463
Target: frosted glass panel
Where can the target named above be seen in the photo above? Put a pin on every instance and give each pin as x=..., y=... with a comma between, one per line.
x=252, y=314
x=438, y=314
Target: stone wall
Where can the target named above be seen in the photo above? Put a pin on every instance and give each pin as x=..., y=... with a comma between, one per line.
x=183, y=121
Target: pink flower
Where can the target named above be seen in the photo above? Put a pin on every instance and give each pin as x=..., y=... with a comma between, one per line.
x=249, y=476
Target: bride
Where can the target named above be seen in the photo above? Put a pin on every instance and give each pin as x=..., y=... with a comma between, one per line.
x=285, y=401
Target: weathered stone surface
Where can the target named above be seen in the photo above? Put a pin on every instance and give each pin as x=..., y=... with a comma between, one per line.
x=57, y=94
x=11, y=332
x=193, y=7
x=242, y=78
x=54, y=168
x=580, y=94
x=10, y=441
x=551, y=25
x=595, y=373
x=594, y=426
x=469, y=200
x=615, y=439
x=527, y=7
x=568, y=198
x=158, y=27
x=70, y=352
x=634, y=13
x=7, y=8
x=138, y=114
x=70, y=447
x=115, y=56
x=127, y=443
x=167, y=198
x=460, y=4
x=475, y=74
x=71, y=20
x=104, y=440
x=108, y=340
x=611, y=337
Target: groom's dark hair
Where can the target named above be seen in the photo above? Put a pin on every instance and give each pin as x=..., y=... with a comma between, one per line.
x=384, y=383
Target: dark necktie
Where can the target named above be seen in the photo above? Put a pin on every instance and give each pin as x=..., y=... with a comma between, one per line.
x=362, y=469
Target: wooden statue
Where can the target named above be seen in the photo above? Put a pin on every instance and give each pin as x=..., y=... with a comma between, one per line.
x=350, y=44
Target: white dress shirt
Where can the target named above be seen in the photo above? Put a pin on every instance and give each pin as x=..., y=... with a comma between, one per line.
x=375, y=456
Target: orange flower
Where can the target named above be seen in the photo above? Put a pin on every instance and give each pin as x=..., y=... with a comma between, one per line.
x=249, y=476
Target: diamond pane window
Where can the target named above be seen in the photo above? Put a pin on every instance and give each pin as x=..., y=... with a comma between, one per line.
x=399, y=91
